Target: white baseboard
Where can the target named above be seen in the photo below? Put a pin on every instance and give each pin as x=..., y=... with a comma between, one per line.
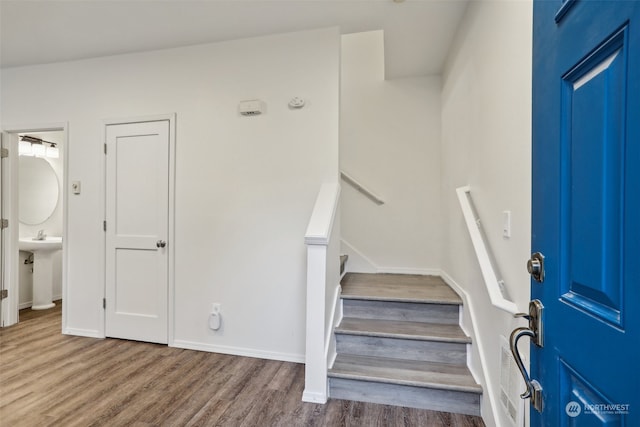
x=312, y=397
x=409, y=270
x=357, y=262
x=466, y=304
x=485, y=380
x=28, y=304
x=360, y=263
x=89, y=333
x=238, y=351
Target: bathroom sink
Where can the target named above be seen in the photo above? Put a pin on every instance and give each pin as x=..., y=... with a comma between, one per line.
x=42, y=268
x=46, y=245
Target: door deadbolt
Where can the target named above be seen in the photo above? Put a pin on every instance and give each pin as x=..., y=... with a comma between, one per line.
x=535, y=267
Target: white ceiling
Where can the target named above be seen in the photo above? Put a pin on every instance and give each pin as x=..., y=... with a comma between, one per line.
x=418, y=33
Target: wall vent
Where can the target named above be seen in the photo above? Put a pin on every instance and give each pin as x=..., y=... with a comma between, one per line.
x=511, y=383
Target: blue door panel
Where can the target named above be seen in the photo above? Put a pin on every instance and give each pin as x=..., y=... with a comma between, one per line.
x=586, y=210
x=586, y=405
x=592, y=122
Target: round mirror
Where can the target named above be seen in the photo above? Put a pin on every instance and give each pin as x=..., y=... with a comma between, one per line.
x=38, y=195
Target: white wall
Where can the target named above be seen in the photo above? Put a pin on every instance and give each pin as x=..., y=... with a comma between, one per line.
x=486, y=143
x=52, y=227
x=245, y=186
x=390, y=142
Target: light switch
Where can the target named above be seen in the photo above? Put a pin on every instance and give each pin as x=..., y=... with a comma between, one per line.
x=75, y=187
x=506, y=224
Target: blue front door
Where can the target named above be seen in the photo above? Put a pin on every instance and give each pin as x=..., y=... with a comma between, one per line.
x=586, y=210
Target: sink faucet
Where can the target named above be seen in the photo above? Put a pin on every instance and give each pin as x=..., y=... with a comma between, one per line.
x=41, y=235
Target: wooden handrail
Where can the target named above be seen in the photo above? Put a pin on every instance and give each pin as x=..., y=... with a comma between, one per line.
x=361, y=188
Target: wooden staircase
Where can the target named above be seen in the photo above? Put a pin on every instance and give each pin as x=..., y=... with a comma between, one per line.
x=400, y=343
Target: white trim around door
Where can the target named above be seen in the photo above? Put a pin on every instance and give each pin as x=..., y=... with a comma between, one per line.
x=170, y=248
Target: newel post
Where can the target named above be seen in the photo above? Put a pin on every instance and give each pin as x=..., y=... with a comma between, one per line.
x=317, y=239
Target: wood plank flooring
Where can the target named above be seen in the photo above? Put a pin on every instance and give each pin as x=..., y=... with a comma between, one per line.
x=49, y=379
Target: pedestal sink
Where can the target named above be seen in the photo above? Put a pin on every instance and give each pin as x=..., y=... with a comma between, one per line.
x=42, y=268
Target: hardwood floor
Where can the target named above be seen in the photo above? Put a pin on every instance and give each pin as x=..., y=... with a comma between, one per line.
x=49, y=379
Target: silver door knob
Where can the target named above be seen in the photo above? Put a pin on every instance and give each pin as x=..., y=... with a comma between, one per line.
x=535, y=267
x=161, y=244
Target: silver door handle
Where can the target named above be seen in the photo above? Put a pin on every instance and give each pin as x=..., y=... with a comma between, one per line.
x=161, y=244
x=534, y=331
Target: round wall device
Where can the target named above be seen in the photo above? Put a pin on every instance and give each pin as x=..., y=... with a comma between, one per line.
x=296, y=102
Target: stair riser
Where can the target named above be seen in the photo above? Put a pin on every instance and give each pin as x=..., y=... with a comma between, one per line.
x=413, y=397
x=413, y=312
x=428, y=351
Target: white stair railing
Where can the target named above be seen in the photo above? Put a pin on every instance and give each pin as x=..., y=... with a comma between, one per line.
x=482, y=253
x=323, y=289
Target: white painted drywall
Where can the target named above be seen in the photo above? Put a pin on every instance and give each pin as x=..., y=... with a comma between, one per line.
x=390, y=142
x=52, y=227
x=245, y=186
x=486, y=144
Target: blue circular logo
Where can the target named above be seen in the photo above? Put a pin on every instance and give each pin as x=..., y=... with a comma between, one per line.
x=573, y=409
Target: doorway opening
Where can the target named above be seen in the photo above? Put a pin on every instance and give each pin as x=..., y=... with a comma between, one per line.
x=34, y=203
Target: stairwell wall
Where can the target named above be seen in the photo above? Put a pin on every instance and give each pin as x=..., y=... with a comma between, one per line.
x=486, y=144
x=390, y=142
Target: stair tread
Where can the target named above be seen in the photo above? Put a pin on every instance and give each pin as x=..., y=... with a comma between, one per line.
x=402, y=329
x=398, y=287
x=405, y=372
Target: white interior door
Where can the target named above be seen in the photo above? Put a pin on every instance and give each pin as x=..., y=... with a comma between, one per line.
x=137, y=225
x=2, y=244
x=9, y=235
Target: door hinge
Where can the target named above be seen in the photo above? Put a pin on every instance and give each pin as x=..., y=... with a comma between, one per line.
x=4, y=223
x=105, y=148
x=4, y=294
x=4, y=152
x=104, y=225
x=104, y=303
